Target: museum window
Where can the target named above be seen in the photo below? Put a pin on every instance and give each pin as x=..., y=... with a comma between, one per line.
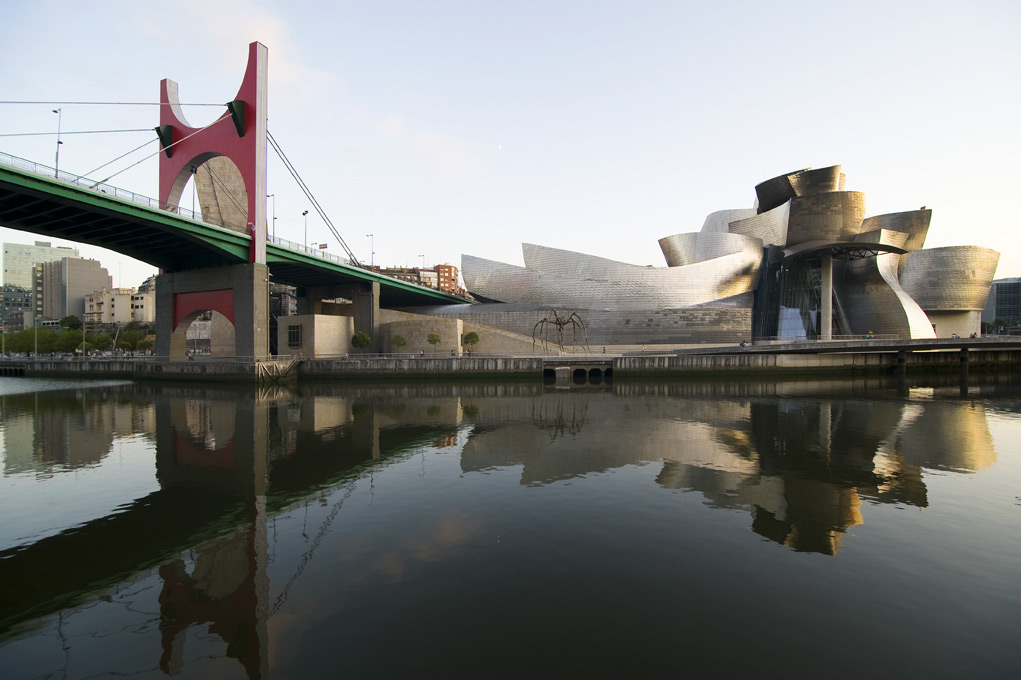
x=294, y=336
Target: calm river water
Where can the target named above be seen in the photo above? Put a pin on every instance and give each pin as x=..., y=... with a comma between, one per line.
x=809, y=529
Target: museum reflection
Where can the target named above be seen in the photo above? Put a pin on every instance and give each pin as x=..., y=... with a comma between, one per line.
x=800, y=459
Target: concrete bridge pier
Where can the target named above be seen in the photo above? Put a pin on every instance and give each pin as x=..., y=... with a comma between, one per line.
x=364, y=306
x=238, y=292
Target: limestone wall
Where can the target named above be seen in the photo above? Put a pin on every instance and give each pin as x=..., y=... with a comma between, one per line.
x=320, y=335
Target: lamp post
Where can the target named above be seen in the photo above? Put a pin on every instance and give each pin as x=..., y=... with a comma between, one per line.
x=423, y=261
x=57, y=163
x=274, y=197
x=305, y=215
x=372, y=250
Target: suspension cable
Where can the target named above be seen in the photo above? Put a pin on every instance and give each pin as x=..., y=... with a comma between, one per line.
x=308, y=193
x=161, y=150
x=72, y=132
x=120, y=157
x=105, y=103
x=243, y=209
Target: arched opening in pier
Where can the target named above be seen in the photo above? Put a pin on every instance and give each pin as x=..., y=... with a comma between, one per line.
x=203, y=333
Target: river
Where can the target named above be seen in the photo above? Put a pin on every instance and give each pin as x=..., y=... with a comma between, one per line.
x=640, y=529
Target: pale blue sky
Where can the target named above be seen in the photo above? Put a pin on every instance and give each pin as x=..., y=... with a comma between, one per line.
x=450, y=127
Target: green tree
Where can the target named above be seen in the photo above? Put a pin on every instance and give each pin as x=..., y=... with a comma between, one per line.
x=71, y=321
x=143, y=345
x=47, y=340
x=361, y=340
x=433, y=339
x=69, y=340
x=102, y=341
x=470, y=339
x=130, y=337
x=397, y=342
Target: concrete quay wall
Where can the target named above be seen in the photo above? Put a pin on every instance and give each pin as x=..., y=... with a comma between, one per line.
x=184, y=371
x=502, y=368
x=785, y=364
x=446, y=367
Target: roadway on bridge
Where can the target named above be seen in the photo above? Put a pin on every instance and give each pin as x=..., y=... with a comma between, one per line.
x=129, y=224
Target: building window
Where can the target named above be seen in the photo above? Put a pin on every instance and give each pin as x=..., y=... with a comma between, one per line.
x=294, y=336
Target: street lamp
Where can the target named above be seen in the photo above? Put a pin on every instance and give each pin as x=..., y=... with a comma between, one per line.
x=274, y=197
x=305, y=215
x=372, y=248
x=423, y=261
x=57, y=111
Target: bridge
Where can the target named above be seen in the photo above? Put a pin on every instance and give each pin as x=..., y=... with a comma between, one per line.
x=226, y=268
x=78, y=209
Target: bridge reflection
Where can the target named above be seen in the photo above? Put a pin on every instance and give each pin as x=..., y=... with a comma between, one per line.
x=800, y=459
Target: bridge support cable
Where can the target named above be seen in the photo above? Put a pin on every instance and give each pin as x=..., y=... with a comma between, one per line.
x=308, y=194
x=104, y=103
x=217, y=182
x=161, y=150
x=141, y=146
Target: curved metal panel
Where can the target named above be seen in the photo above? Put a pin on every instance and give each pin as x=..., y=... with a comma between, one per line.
x=915, y=223
x=643, y=288
x=872, y=299
x=778, y=190
x=719, y=221
x=885, y=237
x=684, y=249
x=577, y=265
x=951, y=278
x=820, y=181
x=769, y=227
x=775, y=191
x=834, y=216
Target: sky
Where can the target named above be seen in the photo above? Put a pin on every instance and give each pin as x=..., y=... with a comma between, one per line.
x=457, y=127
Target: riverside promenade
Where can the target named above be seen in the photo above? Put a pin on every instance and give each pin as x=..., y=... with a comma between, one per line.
x=772, y=359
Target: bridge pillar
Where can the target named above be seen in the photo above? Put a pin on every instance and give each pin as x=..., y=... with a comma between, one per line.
x=238, y=292
x=364, y=299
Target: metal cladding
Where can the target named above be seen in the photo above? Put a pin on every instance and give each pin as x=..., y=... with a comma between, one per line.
x=915, y=223
x=873, y=299
x=752, y=273
x=955, y=278
x=681, y=250
x=569, y=263
x=720, y=220
x=769, y=227
x=778, y=190
x=642, y=288
x=834, y=216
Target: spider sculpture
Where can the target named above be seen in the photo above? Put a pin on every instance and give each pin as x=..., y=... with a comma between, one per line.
x=541, y=330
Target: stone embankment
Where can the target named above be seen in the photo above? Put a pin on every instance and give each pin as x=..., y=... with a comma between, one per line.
x=791, y=360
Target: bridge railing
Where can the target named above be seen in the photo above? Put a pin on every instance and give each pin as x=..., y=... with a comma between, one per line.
x=108, y=189
x=139, y=199
x=300, y=247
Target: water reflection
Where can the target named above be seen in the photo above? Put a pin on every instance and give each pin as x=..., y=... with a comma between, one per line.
x=800, y=459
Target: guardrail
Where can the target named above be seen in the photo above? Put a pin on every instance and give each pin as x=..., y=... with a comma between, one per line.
x=108, y=189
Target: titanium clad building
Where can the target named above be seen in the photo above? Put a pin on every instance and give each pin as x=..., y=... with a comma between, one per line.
x=805, y=262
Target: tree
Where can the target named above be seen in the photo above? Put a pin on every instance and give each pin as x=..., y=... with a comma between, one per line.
x=71, y=321
x=69, y=340
x=398, y=341
x=361, y=340
x=103, y=341
x=470, y=339
x=143, y=345
x=131, y=336
x=433, y=339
